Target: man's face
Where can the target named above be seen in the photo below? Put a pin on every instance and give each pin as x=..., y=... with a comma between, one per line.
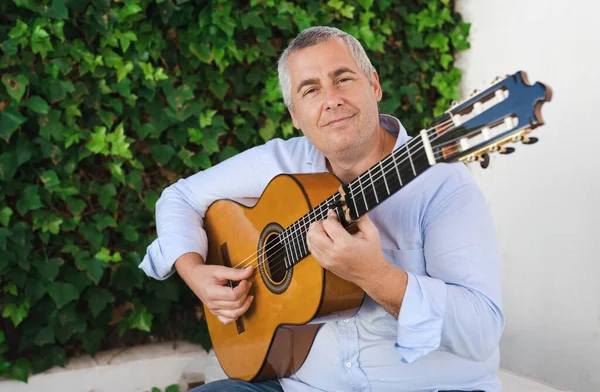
x=334, y=104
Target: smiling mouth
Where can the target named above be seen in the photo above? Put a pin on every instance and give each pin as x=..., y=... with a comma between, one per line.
x=339, y=121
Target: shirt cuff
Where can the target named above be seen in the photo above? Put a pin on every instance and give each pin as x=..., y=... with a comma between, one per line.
x=421, y=317
x=161, y=255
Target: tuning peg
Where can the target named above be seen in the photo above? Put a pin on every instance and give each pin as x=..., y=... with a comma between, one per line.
x=484, y=160
x=506, y=150
x=529, y=140
x=474, y=93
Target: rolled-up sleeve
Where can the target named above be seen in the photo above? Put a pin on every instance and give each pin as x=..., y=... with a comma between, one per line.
x=456, y=306
x=182, y=206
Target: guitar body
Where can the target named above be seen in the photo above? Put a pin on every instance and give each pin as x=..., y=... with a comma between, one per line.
x=273, y=338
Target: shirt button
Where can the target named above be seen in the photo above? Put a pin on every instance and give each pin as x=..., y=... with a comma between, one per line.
x=348, y=364
x=347, y=320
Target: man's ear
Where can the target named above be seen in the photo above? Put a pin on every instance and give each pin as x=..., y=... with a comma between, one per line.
x=294, y=119
x=376, y=86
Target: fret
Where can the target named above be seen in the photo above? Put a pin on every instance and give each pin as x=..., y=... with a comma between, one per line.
x=383, y=173
x=293, y=241
x=363, y=193
x=302, y=235
x=286, y=248
x=410, y=159
x=373, y=186
x=354, y=202
x=396, y=167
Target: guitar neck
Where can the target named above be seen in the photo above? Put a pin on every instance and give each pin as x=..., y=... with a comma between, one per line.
x=362, y=195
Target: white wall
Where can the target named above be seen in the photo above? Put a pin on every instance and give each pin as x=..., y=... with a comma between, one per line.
x=545, y=198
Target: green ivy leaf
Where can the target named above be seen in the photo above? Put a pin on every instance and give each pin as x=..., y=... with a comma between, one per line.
x=16, y=313
x=119, y=146
x=268, y=130
x=15, y=85
x=44, y=336
x=37, y=104
x=30, y=200
x=5, y=215
x=62, y=293
x=49, y=179
x=130, y=9
x=106, y=194
x=58, y=10
x=19, y=31
x=11, y=288
x=98, y=143
x=40, y=41
x=162, y=153
x=98, y=299
x=205, y=119
x=123, y=70
x=92, y=339
x=19, y=370
x=252, y=19
x=141, y=319
x=219, y=89
x=34, y=290
x=10, y=120
x=49, y=269
x=8, y=166
x=201, y=51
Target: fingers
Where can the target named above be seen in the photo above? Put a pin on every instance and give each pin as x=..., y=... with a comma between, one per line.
x=229, y=315
x=317, y=236
x=224, y=274
x=227, y=294
x=334, y=228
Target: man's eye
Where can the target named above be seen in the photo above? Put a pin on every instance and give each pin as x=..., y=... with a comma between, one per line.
x=309, y=91
x=344, y=80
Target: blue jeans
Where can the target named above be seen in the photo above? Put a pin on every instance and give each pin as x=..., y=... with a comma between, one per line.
x=229, y=385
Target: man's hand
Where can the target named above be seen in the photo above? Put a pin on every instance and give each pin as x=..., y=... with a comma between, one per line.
x=351, y=257
x=358, y=258
x=209, y=283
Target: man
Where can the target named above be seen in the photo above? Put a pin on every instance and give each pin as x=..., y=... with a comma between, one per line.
x=426, y=257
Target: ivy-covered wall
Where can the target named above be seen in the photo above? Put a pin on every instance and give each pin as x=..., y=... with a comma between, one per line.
x=105, y=102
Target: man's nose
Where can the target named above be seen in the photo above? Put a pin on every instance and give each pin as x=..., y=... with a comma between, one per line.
x=333, y=98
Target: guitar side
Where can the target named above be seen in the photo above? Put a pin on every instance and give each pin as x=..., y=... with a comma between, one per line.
x=274, y=337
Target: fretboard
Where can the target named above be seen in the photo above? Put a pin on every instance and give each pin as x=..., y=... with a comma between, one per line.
x=363, y=194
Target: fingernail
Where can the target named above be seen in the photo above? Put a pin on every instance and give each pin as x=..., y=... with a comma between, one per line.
x=248, y=268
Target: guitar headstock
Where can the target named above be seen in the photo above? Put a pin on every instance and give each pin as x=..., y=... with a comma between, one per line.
x=506, y=112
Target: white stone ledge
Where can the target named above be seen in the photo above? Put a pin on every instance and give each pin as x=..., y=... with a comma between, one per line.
x=138, y=369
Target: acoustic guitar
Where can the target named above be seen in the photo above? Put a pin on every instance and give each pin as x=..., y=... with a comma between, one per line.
x=293, y=294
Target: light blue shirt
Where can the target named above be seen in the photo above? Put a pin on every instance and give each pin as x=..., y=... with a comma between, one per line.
x=438, y=229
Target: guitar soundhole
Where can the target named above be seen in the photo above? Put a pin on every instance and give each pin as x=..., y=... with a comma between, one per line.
x=271, y=260
x=275, y=259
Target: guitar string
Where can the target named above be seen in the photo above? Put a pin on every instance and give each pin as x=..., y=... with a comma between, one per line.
x=292, y=235
x=277, y=267
x=297, y=233
x=300, y=231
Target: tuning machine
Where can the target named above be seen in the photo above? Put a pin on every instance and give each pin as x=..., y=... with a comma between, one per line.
x=484, y=160
x=529, y=140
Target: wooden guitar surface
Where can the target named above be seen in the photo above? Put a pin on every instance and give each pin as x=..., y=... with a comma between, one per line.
x=274, y=337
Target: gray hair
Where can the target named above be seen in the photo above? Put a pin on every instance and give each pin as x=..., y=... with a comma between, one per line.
x=313, y=36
